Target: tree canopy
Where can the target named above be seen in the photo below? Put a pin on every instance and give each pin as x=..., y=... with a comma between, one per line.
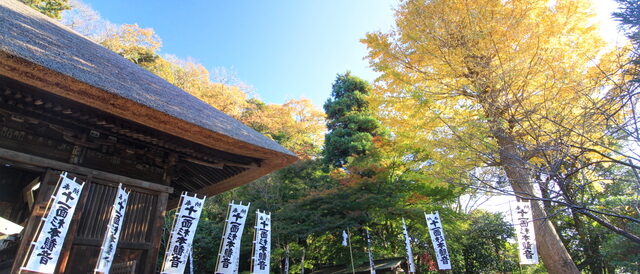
x=526, y=86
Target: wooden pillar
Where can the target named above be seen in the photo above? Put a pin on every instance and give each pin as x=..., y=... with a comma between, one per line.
x=169, y=169
x=156, y=232
x=47, y=186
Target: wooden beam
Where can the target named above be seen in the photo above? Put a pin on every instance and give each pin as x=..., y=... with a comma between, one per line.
x=98, y=243
x=196, y=161
x=19, y=157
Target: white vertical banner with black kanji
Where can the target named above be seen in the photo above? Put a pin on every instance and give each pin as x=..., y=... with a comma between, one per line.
x=229, y=254
x=372, y=264
x=527, y=247
x=46, y=249
x=439, y=242
x=181, y=238
x=262, y=243
x=407, y=247
x=112, y=235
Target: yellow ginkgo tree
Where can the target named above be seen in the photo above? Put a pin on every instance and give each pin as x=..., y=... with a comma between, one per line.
x=512, y=84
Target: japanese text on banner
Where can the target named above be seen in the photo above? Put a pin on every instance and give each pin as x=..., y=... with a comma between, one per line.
x=230, y=250
x=110, y=241
x=47, y=247
x=262, y=244
x=184, y=228
x=528, y=252
x=439, y=242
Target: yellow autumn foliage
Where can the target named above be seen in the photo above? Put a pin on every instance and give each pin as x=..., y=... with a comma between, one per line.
x=454, y=73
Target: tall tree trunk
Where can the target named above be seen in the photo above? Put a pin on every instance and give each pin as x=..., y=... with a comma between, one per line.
x=554, y=255
x=544, y=191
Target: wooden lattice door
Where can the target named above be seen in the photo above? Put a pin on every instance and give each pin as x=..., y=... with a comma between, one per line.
x=140, y=237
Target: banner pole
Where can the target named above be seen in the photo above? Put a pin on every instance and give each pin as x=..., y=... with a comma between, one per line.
x=191, y=260
x=255, y=235
x=224, y=231
x=353, y=269
x=302, y=262
x=166, y=252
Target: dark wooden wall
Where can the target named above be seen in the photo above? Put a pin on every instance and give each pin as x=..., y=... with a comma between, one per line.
x=12, y=204
x=139, y=239
x=136, y=239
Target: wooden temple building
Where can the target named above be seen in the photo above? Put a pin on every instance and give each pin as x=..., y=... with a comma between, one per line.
x=69, y=104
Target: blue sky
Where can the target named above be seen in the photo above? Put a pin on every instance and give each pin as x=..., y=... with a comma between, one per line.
x=283, y=49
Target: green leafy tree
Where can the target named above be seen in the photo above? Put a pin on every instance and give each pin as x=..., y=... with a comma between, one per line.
x=485, y=246
x=51, y=8
x=623, y=254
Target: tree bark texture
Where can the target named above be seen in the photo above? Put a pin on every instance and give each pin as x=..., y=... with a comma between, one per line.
x=554, y=255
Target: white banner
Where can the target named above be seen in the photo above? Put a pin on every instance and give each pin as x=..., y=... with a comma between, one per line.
x=525, y=232
x=286, y=261
x=46, y=249
x=345, y=238
x=372, y=264
x=407, y=247
x=112, y=235
x=262, y=243
x=181, y=238
x=437, y=238
x=230, y=248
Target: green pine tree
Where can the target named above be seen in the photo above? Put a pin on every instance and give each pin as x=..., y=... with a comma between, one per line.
x=350, y=123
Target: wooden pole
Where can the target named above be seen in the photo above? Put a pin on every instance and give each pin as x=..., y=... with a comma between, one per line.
x=302, y=262
x=224, y=232
x=253, y=247
x=353, y=268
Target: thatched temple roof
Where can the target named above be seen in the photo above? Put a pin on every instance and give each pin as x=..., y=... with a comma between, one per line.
x=41, y=52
